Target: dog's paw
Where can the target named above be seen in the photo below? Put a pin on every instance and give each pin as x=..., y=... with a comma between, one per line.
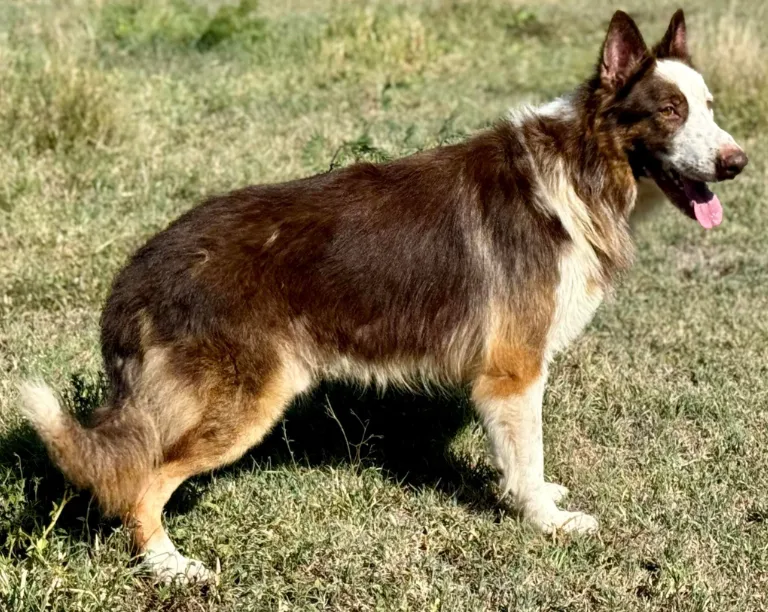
x=196, y=572
x=556, y=492
x=173, y=567
x=540, y=510
x=561, y=521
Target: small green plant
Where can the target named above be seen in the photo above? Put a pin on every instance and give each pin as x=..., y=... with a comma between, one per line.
x=138, y=24
x=86, y=394
x=360, y=149
x=232, y=22
x=524, y=23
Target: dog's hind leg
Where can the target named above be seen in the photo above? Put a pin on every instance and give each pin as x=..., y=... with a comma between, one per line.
x=509, y=400
x=161, y=557
x=233, y=422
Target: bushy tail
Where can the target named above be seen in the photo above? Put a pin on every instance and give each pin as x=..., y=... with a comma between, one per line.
x=112, y=459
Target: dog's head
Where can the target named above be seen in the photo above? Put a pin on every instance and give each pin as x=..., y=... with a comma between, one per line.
x=660, y=109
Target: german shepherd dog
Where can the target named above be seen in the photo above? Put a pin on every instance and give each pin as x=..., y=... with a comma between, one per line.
x=471, y=264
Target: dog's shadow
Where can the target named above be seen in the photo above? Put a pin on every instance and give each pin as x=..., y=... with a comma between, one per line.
x=405, y=434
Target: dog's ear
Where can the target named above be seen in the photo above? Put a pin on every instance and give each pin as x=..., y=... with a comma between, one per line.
x=623, y=51
x=674, y=44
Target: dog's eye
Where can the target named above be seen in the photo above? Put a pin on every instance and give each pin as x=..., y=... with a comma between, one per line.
x=668, y=111
x=710, y=104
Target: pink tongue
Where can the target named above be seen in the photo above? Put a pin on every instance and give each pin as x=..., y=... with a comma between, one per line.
x=706, y=205
x=708, y=214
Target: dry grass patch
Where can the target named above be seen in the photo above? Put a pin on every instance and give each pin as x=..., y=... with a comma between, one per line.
x=58, y=106
x=54, y=95
x=376, y=38
x=732, y=52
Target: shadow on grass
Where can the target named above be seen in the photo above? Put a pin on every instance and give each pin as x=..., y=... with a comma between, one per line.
x=406, y=435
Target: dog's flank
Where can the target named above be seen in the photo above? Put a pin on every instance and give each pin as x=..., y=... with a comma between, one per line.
x=471, y=264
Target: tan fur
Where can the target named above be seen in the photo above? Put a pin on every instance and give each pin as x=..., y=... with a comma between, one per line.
x=209, y=443
x=509, y=371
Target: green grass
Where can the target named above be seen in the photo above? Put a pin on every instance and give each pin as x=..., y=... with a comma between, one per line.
x=116, y=117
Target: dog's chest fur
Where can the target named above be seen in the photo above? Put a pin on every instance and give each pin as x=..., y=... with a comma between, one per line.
x=579, y=291
x=577, y=297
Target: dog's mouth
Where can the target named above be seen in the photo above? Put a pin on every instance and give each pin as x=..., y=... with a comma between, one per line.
x=693, y=197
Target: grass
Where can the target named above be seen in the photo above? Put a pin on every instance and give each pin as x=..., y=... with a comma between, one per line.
x=118, y=116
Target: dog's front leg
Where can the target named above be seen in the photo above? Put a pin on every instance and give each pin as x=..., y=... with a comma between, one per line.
x=510, y=407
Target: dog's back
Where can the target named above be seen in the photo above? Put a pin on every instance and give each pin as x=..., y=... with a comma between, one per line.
x=390, y=266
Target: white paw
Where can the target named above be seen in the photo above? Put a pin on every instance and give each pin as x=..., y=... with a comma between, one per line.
x=556, y=492
x=168, y=567
x=565, y=522
x=197, y=572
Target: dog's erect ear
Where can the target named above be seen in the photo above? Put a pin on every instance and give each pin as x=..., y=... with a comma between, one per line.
x=623, y=51
x=674, y=44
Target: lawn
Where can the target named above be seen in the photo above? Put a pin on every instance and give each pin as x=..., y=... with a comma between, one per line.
x=115, y=117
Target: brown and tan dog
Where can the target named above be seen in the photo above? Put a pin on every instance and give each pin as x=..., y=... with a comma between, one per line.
x=468, y=264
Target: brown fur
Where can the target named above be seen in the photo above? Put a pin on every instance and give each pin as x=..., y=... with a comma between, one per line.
x=443, y=265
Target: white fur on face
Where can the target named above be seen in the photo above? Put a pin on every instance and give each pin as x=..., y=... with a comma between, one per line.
x=696, y=146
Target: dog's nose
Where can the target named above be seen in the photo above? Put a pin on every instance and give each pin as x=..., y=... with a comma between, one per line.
x=731, y=162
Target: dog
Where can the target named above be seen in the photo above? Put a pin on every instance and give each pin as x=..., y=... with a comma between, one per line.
x=470, y=264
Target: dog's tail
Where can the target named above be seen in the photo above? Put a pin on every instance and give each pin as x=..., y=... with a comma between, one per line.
x=113, y=459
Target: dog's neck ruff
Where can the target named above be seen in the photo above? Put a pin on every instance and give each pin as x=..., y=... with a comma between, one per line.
x=584, y=179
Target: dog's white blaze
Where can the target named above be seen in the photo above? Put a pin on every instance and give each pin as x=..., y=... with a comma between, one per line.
x=696, y=145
